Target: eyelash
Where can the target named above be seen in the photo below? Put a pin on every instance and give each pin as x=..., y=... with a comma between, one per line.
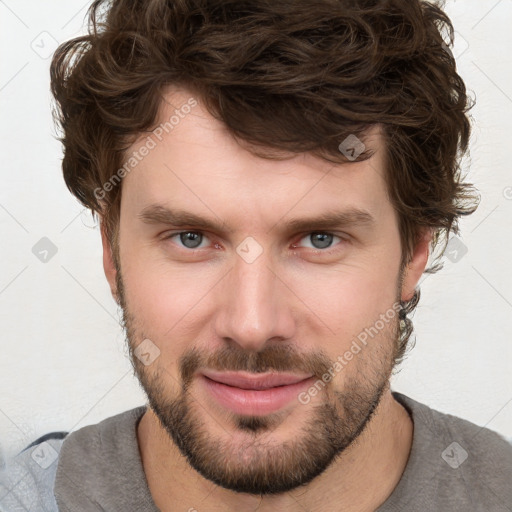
x=327, y=250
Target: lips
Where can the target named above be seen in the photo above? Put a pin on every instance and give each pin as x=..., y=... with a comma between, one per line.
x=252, y=393
x=255, y=381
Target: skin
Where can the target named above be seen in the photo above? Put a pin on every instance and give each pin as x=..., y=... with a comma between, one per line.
x=294, y=294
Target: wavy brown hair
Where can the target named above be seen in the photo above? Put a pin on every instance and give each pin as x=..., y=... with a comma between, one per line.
x=292, y=75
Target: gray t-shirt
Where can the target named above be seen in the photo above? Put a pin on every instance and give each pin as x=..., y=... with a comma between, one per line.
x=454, y=465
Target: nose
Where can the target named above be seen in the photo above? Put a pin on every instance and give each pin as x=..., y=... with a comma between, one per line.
x=255, y=304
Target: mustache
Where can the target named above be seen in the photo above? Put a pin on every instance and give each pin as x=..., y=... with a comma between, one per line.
x=272, y=357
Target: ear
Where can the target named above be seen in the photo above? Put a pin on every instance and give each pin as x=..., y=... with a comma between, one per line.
x=108, y=262
x=417, y=264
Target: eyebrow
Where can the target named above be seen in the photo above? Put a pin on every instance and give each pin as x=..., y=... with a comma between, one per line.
x=158, y=214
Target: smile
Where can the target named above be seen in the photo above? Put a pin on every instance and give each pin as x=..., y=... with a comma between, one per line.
x=254, y=394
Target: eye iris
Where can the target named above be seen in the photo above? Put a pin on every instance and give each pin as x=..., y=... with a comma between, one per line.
x=190, y=239
x=324, y=240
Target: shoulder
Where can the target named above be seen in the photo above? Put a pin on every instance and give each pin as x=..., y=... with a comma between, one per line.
x=29, y=480
x=106, y=433
x=462, y=460
x=486, y=446
x=100, y=467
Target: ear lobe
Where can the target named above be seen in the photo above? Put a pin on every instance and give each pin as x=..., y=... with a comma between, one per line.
x=109, y=266
x=416, y=266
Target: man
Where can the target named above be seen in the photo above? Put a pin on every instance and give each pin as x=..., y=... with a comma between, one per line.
x=270, y=179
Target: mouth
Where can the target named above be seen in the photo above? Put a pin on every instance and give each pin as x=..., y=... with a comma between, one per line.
x=254, y=393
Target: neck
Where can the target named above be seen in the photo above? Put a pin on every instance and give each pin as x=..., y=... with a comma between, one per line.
x=360, y=479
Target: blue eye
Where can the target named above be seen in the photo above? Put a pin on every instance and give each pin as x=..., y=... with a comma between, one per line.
x=321, y=240
x=189, y=239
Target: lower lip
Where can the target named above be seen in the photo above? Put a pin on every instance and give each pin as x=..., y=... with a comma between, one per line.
x=254, y=402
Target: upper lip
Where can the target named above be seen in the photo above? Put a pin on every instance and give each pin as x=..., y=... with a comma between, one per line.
x=256, y=381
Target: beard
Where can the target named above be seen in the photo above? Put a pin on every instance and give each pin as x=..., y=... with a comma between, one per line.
x=259, y=465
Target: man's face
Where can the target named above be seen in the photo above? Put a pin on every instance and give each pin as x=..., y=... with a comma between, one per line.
x=242, y=322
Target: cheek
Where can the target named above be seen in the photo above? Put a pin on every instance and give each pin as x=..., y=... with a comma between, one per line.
x=166, y=300
x=359, y=314
x=350, y=297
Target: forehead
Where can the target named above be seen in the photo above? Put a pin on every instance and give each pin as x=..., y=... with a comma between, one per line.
x=195, y=163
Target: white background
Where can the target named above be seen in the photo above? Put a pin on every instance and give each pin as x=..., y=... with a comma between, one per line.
x=63, y=359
